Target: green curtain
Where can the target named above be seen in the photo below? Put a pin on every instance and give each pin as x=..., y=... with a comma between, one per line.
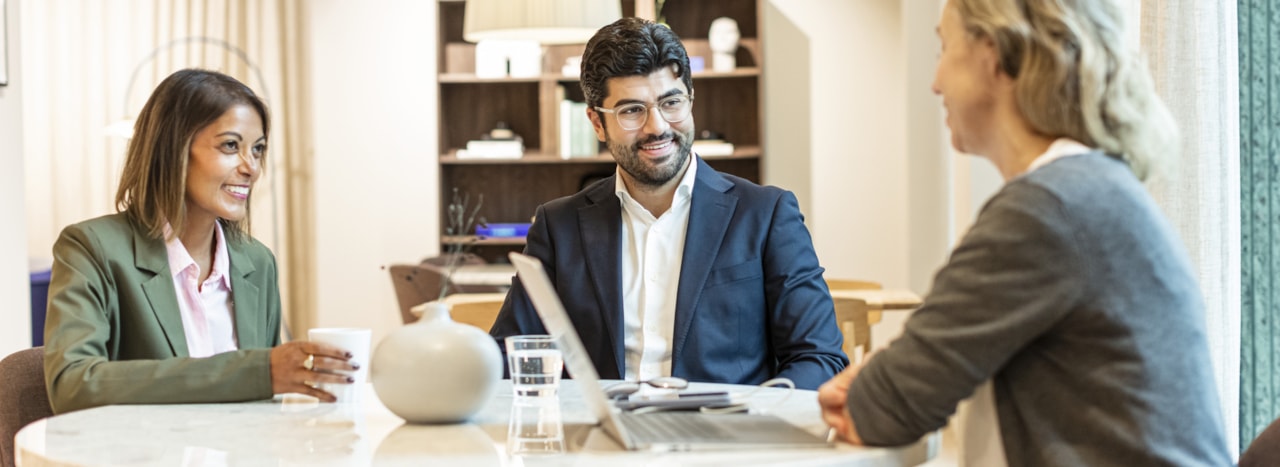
x=1259, y=22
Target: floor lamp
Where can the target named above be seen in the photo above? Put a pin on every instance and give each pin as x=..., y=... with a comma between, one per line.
x=549, y=22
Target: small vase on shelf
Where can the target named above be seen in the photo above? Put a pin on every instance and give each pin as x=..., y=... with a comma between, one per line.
x=436, y=370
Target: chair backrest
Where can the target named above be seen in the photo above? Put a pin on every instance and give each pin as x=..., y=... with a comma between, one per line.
x=416, y=284
x=23, y=398
x=1265, y=449
x=477, y=309
x=852, y=284
x=462, y=259
x=851, y=316
x=854, y=316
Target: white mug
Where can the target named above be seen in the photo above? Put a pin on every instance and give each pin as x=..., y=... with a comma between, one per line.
x=354, y=340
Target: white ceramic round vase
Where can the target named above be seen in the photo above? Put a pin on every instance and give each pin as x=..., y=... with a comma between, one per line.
x=436, y=370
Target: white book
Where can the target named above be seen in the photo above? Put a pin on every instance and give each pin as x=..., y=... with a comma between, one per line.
x=580, y=125
x=493, y=149
x=562, y=123
x=712, y=147
x=587, y=137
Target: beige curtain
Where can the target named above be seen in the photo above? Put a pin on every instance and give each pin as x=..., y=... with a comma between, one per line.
x=1192, y=49
x=90, y=65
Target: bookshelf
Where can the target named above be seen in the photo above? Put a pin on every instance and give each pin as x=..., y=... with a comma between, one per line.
x=727, y=102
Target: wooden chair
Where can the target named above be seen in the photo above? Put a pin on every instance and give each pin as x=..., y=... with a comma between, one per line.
x=854, y=316
x=1265, y=449
x=23, y=398
x=416, y=284
x=477, y=309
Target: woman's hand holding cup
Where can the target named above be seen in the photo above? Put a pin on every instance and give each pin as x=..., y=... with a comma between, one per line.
x=301, y=367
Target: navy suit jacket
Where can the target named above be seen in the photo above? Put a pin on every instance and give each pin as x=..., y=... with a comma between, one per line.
x=752, y=303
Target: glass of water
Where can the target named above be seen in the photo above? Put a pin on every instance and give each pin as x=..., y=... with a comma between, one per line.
x=535, y=427
x=535, y=364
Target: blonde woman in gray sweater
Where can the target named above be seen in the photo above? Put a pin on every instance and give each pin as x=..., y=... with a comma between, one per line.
x=1070, y=294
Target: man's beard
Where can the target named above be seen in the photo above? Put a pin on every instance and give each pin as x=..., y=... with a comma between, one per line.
x=628, y=158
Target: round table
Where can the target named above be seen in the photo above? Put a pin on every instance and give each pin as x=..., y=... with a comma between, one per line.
x=298, y=430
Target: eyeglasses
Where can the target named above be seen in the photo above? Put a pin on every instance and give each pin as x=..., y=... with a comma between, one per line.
x=674, y=109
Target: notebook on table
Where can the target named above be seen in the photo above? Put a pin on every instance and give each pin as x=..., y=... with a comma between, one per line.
x=659, y=431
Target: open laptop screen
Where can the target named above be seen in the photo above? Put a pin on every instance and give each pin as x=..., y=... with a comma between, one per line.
x=556, y=321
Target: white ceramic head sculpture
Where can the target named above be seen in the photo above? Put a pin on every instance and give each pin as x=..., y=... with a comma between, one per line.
x=724, y=35
x=723, y=38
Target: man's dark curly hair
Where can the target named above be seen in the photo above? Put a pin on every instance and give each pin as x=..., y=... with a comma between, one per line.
x=630, y=47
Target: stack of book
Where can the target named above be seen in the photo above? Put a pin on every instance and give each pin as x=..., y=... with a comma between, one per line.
x=712, y=147
x=493, y=149
x=577, y=137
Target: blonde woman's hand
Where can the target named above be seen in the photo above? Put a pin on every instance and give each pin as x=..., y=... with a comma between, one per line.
x=300, y=367
x=833, y=397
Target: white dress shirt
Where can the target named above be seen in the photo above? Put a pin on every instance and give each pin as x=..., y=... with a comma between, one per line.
x=207, y=320
x=652, y=255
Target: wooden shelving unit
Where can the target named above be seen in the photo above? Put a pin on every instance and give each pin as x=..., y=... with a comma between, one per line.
x=536, y=157
x=727, y=102
x=472, y=78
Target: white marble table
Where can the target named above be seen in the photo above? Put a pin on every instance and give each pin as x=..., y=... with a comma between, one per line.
x=297, y=430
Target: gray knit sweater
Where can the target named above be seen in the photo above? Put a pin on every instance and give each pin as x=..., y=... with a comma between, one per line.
x=1074, y=294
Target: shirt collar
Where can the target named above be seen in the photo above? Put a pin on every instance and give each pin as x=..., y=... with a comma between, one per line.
x=1061, y=147
x=180, y=259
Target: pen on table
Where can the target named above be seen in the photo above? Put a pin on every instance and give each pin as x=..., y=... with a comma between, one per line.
x=701, y=394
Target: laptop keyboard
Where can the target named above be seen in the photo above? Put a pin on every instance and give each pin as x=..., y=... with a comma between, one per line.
x=683, y=426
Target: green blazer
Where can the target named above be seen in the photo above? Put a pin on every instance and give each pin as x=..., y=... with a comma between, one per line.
x=114, y=335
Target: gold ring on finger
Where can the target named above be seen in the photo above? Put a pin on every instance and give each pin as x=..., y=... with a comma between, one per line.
x=309, y=363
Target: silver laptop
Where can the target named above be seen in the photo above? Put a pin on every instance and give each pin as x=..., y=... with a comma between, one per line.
x=658, y=431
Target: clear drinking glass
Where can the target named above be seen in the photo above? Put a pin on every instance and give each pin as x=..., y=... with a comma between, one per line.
x=535, y=364
x=535, y=427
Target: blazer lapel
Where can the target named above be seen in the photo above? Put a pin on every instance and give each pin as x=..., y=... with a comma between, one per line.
x=600, y=227
x=712, y=208
x=245, y=297
x=150, y=255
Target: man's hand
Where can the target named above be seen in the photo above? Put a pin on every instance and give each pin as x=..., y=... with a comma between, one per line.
x=301, y=366
x=833, y=396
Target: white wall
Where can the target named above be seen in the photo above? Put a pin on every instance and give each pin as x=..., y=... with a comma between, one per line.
x=374, y=101
x=856, y=129
x=787, y=108
x=15, y=314
x=931, y=222
x=867, y=153
x=975, y=179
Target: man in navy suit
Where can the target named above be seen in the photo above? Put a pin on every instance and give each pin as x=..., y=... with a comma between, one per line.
x=669, y=268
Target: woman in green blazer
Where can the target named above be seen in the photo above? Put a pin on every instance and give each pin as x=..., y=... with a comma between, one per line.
x=170, y=300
